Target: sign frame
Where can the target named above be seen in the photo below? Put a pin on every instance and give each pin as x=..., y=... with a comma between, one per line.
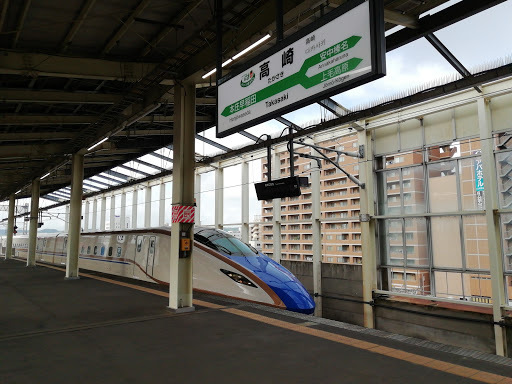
x=377, y=51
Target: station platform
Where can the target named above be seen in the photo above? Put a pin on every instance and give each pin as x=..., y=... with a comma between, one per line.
x=101, y=330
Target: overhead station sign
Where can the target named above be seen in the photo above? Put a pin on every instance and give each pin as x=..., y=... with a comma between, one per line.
x=338, y=52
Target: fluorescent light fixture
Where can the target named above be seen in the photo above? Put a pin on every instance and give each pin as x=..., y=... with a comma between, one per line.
x=98, y=143
x=18, y=192
x=252, y=46
x=249, y=48
x=45, y=176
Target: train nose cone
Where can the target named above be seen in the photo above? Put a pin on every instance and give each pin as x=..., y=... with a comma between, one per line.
x=289, y=289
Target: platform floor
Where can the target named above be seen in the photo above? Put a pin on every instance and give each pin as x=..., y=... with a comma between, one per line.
x=97, y=330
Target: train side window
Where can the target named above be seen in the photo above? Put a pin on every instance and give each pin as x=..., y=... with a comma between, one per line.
x=65, y=242
x=82, y=250
x=89, y=250
x=110, y=251
x=139, y=243
x=118, y=251
x=95, y=249
x=102, y=250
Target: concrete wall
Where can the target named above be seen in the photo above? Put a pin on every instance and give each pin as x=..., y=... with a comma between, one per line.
x=415, y=318
x=340, y=284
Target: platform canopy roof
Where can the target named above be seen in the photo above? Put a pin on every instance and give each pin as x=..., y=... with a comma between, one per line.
x=73, y=72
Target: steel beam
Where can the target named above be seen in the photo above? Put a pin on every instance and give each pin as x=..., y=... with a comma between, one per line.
x=213, y=143
x=77, y=23
x=449, y=57
x=149, y=165
x=159, y=156
x=64, y=97
x=134, y=170
x=36, y=64
x=34, y=218
x=248, y=135
x=21, y=22
x=125, y=25
x=431, y=23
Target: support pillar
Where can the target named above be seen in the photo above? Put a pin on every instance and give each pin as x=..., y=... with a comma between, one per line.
x=317, y=236
x=276, y=210
x=135, y=201
x=162, y=206
x=94, y=215
x=34, y=213
x=77, y=178
x=493, y=226
x=219, y=197
x=180, y=283
x=368, y=228
x=103, y=214
x=10, y=226
x=245, y=203
x=123, y=211
x=147, y=207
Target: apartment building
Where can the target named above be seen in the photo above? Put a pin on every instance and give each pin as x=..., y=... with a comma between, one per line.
x=340, y=200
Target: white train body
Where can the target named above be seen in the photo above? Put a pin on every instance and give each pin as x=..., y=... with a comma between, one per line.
x=144, y=254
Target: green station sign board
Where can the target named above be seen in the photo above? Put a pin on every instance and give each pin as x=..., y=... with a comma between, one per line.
x=342, y=50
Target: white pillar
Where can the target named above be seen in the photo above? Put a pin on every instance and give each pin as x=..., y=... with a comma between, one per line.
x=77, y=178
x=112, y=213
x=368, y=227
x=10, y=226
x=317, y=236
x=219, y=197
x=245, y=202
x=493, y=225
x=94, y=214
x=135, y=201
x=103, y=213
x=276, y=210
x=162, y=206
x=86, y=216
x=34, y=213
x=147, y=207
x=180, y=284
x=123, y=211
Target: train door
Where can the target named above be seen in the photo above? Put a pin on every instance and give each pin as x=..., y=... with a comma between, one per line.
x=151, y=256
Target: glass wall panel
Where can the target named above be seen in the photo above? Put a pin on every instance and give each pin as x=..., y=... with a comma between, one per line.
x=155, y=205
x=98, y=215
x=167, y=205
x=442, y=184
x=207, y=198
x=413, y=187
x=449, y=284
x=392, y=231
x=476, y=243
x=108, y=225
x=141, y=199
x=128, y=209
x=416, y=249
x=233, y=194
x=391, y=199
x=508, y=283
x=446, y=242
x=506, y=236
x=504, y=171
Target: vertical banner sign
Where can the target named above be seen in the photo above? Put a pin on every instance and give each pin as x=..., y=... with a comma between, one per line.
x=479, y=182
x=338, y=52
x=183, y=214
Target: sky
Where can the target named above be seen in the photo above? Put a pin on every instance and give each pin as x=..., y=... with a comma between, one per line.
x=476, y=41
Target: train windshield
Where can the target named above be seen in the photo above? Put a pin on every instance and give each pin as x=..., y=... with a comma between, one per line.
x=223, y=242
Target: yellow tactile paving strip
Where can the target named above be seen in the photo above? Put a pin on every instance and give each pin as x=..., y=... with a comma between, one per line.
x=439, y=365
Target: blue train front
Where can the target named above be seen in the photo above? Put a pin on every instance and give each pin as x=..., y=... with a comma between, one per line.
x=250, y=270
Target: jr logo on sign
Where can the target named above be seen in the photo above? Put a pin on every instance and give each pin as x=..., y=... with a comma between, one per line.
x=247, y=79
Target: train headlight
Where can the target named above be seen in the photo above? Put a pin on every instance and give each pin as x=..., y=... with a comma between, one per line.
x=238, y=278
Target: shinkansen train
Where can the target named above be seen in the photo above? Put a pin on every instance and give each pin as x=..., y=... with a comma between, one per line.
x=222, y=264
